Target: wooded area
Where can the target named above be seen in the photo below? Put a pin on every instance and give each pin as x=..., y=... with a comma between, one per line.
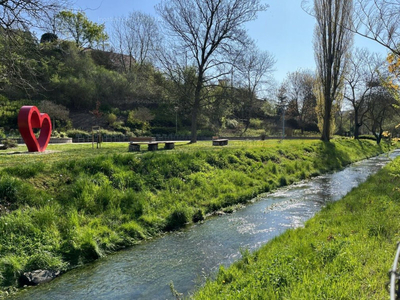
x=196, y=72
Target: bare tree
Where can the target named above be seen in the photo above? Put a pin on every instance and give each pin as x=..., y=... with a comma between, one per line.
x=23, y=13
x=378, y=20
x=299, y=90
x=254, y=69
x=207, y=32
x=55, y=111
x=136, y=36
x=16, y=18
x=332, y=43
x=361, y=78
x=381, y=111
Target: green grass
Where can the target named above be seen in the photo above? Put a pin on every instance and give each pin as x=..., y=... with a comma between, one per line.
x=344, y=252
x=77, y=204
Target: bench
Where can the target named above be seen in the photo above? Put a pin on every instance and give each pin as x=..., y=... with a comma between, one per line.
x=152, y=145
x=220, y=142
x=142, y=139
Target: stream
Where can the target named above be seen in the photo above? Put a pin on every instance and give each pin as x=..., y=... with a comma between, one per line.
x=189, y=256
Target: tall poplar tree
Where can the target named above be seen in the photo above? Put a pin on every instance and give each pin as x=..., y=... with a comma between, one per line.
x=332, y=44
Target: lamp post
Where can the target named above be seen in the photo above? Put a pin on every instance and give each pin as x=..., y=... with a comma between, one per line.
x=176, y=108
x=284, y=106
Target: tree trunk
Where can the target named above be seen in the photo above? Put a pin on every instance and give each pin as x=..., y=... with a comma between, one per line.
x=193, y=138
x=196, y=108
x=327, y=116
x=356, y=125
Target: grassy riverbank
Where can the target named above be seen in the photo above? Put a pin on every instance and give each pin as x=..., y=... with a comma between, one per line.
x=344, y=252
x=69, y=207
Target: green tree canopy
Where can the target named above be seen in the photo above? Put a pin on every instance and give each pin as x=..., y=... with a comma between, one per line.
x=84, y=32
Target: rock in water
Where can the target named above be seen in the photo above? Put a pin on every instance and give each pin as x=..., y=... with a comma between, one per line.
x=37, y=277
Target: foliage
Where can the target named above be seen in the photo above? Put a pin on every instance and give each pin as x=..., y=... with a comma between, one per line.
x=9, y=143
x=74, y=133
x=55, y=111
x=20, y=64
x=139, y=119
x=9, y=112
x=392, y=82
x=111, y=118
x=84, y=32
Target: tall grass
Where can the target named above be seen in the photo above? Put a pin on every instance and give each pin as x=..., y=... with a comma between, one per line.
x=78, y=204
x=344, y=252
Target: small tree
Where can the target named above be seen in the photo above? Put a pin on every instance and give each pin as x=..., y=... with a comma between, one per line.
x=77, y=26
x=139, y=119
x=136, y=38
x=300, y=85
x=361, y=78
x=380, y=112
x=254, y=68
x=55, y=111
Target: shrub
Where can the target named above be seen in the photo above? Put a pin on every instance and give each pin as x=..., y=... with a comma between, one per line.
x=178, y=218
x=44, y=260
x=74, y=133
x=367, y=137
x=11, y=268
x=256, y=123
x=111, y=118
x=134, y=230
x=9, y=143
x=231, y=123
x=198, y=216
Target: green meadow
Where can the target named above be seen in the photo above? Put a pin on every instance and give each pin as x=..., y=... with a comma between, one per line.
x=75, y=204
x=344, y=252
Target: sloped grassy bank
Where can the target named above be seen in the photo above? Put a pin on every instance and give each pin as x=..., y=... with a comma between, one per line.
x=344, y=252
x=59, y=212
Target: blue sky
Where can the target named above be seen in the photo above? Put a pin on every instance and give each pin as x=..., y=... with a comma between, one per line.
x=284, y=30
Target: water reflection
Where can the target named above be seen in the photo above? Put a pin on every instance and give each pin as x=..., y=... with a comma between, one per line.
x=145, y=271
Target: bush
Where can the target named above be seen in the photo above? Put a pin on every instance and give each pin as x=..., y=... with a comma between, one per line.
x=231, y=123
x=111, y=118
x=367, y=137
x=9, y=143
x=256, y=123
x=75, y=133
x=59, y=134
x=11, y=268
x=178, y=218
x=206, y=132
x=2, y=134
x=163, y=130
x=198, y=216
x=44, y=260
x=109, y=133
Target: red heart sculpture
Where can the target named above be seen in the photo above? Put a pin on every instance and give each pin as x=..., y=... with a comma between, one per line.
x=29, y=117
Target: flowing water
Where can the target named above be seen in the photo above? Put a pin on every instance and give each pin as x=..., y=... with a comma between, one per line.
x=188, y=256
